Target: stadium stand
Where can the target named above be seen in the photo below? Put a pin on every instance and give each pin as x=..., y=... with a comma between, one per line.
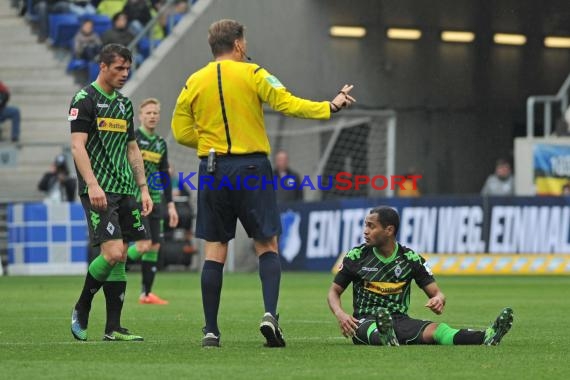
x=100, y=23
x=38, y=75
x=42, y=90
x=62, y=28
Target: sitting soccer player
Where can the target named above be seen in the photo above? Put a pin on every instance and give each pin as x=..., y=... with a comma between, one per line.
x=381, y=272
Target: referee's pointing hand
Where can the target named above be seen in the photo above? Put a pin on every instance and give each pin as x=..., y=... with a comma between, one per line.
x=343, y=99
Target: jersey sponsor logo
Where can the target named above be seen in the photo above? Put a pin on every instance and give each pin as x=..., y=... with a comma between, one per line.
x=370, y=269
x=73, y=113
x=384, y=288
x=153, y=157
x=111, y=125
x=274, y=82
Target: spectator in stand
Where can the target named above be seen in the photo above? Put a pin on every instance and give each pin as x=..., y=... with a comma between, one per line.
x=501, y=183
x=110, y=8
x=45, y=7
x=566, y=190
x=288, y=189
x=410, y=187
x=87, y=43
x=563, y=124
x=57, y=183
x=138, y=13
x=9, y=112
x=118, y=34
x=181, y=194
x=179, y=7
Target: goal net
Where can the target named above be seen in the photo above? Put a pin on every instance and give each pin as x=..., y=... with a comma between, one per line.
x=354, y=142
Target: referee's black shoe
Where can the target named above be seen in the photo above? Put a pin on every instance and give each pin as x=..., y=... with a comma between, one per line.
x=210, y=339
x=270, y=329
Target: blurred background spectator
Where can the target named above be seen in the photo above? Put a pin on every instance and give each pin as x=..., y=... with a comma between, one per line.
x=57, y=183
x=411, y=187
x=110, y=8
x=45, y=7
x=293, y=181
x=118, y=34
x=138, y=15
x=562, y=127
x=501, y=182
x=174, y=10
x=9, y=112
x=86, y=43
x=180, y=239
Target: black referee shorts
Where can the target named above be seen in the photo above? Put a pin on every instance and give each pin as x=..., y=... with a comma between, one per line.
x=121, y=220
x=243, y=188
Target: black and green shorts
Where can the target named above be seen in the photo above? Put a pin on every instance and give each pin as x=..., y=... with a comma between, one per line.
x=121, y=220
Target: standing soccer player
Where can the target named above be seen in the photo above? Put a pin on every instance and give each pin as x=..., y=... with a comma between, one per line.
x=219, y=110
x=155, y=156
x=109, y=167
x=381, y=272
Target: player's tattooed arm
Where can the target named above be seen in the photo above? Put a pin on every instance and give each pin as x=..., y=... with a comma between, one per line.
x=135, y=160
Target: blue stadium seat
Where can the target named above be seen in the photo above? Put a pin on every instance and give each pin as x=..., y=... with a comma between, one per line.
x=93, y=68
x=172, y=21
x=62, y=28
x=143, y=46
x=77, y=64
x=31, y=14
x=101, y=23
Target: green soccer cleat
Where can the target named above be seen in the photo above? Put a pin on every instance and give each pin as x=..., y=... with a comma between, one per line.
x=270, y=329
x=78, y=325
x=499, y=328
x=386, y=329
x=122, y=334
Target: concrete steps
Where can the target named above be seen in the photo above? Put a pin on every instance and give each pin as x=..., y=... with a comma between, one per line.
x=42, y=90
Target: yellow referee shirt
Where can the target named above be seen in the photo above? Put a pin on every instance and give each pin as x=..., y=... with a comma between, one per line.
x=220, y=107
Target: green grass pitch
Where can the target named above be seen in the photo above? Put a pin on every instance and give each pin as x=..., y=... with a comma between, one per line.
x=35, y=341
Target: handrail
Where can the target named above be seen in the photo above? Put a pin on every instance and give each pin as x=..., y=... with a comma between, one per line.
x=133, y=46
x=547, y=100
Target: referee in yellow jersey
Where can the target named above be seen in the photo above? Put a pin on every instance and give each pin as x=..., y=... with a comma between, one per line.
x=219, y=112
